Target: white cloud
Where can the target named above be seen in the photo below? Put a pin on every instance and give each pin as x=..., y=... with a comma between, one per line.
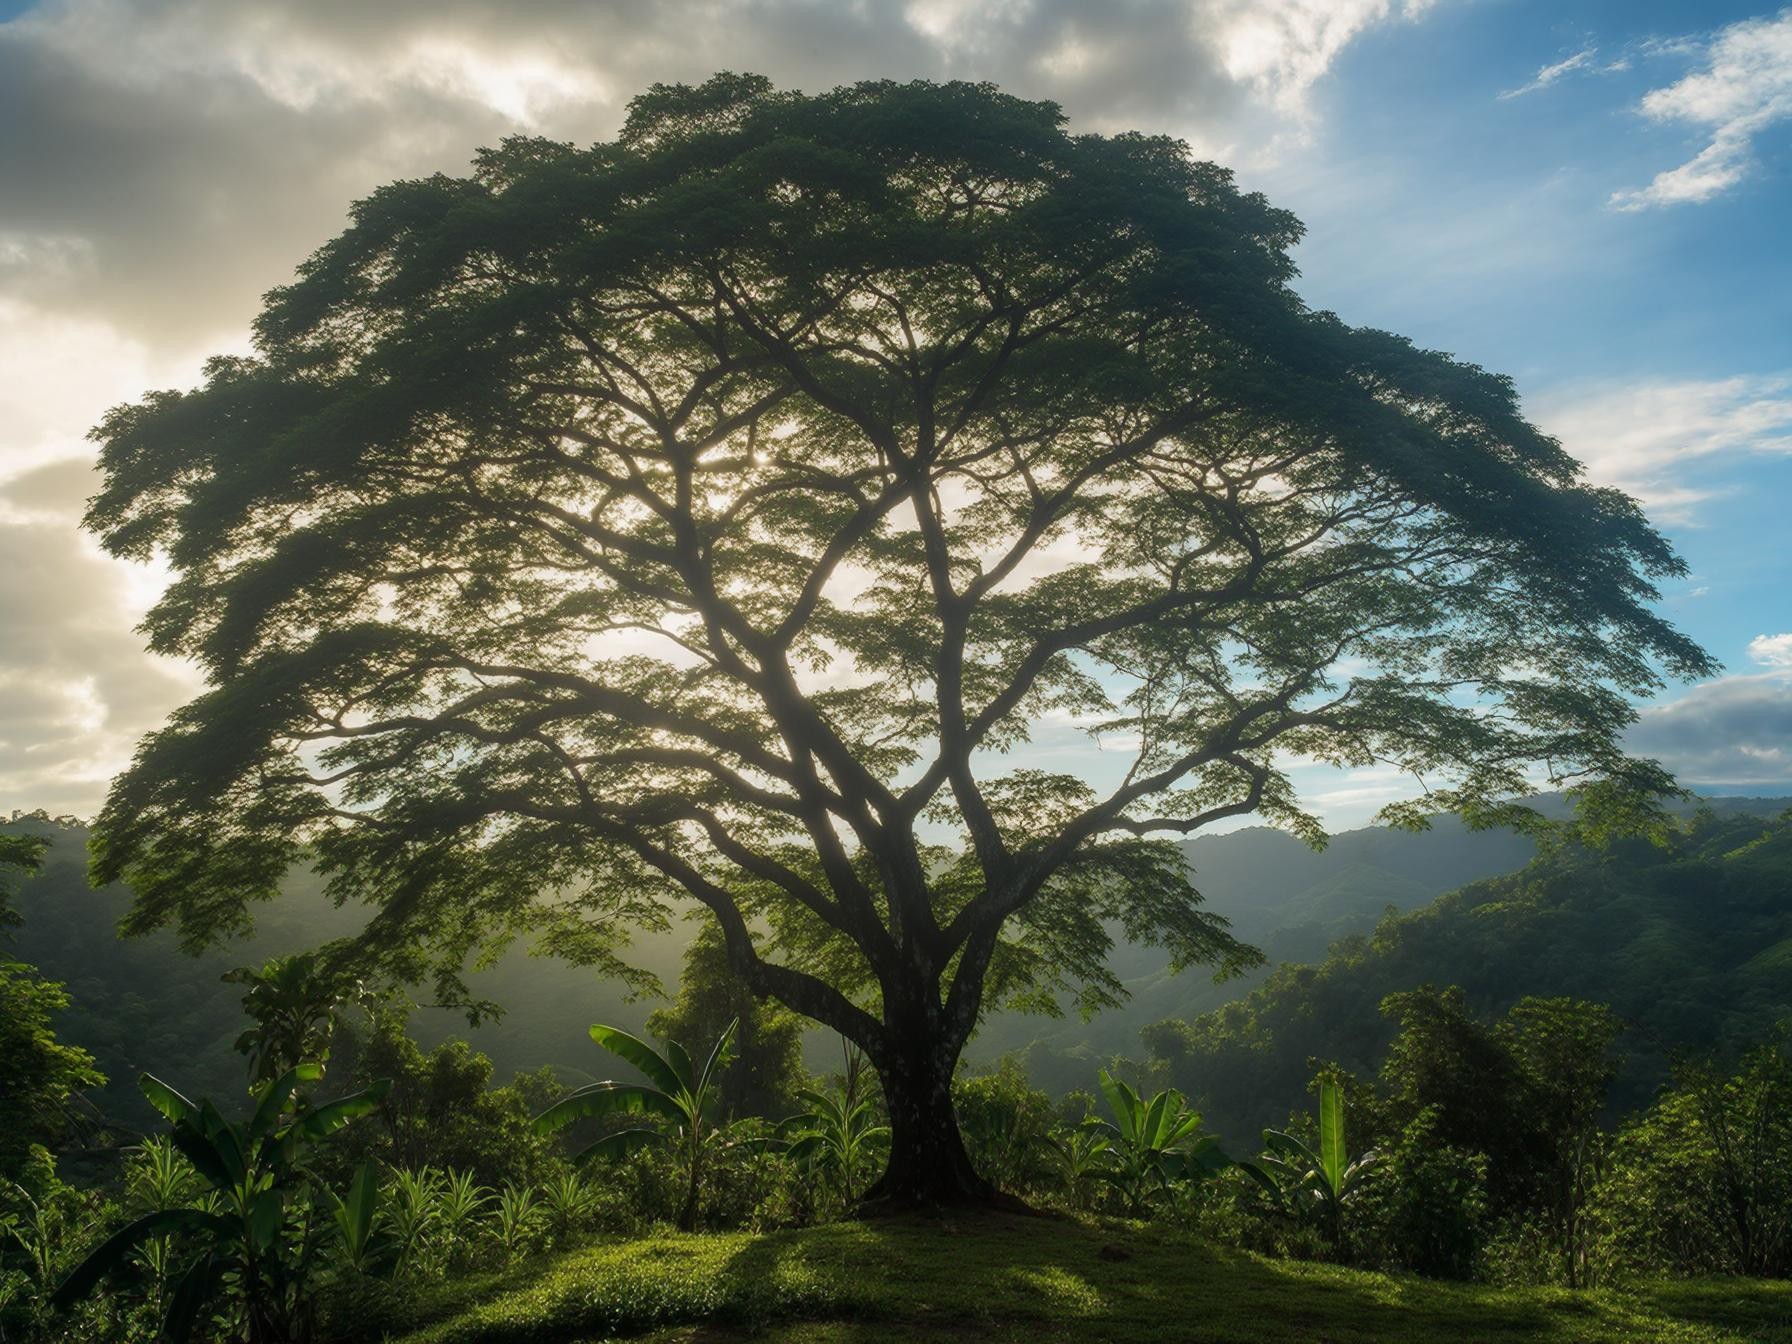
x=1549, y=74
x=1773, y=651
x=1744, y=87
x=1643, y=437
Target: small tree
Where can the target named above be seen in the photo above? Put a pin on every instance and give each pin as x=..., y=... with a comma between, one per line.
x=39, y=1075
x=708, y=514
x=678, y=1093
x=292, y=1004
x=764, y=1073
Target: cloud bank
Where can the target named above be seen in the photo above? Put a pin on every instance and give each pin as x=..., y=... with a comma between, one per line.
x=1732, y=733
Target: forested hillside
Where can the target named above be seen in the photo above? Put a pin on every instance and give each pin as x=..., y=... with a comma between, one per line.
x=143, y=1004
x=1691, y=946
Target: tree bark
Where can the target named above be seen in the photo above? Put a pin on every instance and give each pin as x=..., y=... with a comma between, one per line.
x=929, y=1167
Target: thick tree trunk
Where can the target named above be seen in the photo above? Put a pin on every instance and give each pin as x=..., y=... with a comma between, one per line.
x=929, y=1166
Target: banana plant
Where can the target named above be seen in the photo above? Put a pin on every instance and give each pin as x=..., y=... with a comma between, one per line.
x=256, y=1235
x=363, y=1237
x=1305, y=1181
x=676, y=1091
x=1152, y=1144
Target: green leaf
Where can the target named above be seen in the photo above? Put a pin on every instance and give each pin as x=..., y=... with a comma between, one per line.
x=621, y=1144
x=332, y=1116
x=644, y=1057
x=194, y=1290
x=609, y=1098
x=718, y=1056
x=165, y=1099
x=275, y=1095
x=1331, y=1133
x=116, y=1249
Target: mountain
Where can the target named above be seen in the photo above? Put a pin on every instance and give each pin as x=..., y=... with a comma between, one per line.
x=143, y=1004
x=1691, y=945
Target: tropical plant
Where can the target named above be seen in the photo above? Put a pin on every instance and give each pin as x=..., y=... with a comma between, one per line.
x=567, y=1199
x=363, y=1237
x=1007, y=1123
x=460, y=1204
x=257, y=1238
x=839, y=1133
x=1303, y=1180
x=518, y=1212
x=414, y=1206
x=676, y=1093
x=1152, y=1143
x=1082, y=1156
x=292, y=1003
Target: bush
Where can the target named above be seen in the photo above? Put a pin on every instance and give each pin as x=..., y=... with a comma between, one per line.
x=1702, y=1182
x=1424, y=1208
x=1007, y=1127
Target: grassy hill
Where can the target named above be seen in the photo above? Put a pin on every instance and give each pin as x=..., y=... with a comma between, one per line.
x=1043, y=1280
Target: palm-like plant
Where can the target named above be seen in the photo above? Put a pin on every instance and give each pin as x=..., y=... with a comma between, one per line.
x=837, y=1134
x=676, y=1092
x=568, y=1200
x=363, y=1234
x=256, y=1233
x=414, y=1207
x=1152, y=1143
x=1082, y=1154
x=1303, y=1180
x=519, y=1210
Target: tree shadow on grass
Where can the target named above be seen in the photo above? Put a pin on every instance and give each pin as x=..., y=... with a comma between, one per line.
x=1001, y=1277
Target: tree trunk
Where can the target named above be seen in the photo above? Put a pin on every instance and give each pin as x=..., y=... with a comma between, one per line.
x=929, y=1166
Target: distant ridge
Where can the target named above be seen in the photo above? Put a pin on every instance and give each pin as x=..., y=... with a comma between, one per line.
x=142, y=1004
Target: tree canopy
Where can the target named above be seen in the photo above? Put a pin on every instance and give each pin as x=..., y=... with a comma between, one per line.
x=710, y=514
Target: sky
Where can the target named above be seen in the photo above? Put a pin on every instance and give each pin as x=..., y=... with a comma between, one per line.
x=1592, y=196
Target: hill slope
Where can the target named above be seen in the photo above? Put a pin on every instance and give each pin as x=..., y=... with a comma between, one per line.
x=142, y=1004
x=1692, y=946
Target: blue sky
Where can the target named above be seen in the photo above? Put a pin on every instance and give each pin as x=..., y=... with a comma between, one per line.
x=1481, y=225
x=1591, y=197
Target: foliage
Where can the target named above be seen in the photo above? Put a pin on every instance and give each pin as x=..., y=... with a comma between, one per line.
x=1081, y=1151
x=1321, y=1179
x=1702, y=1181
x=764, y=1071
x=1051, y=401
x=440, y=1110
x=256, y=1240
x=1007, y=1128
x=1424, y=1206
x=292, y=1002
x=839, y=1134
x=1152, y=1143
x=1691, y=944
x=39, y=1075
x=677, y=1091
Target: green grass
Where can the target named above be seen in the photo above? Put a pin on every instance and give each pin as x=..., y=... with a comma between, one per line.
x=1038, y=1280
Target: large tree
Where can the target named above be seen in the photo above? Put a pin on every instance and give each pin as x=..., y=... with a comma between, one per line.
x=711, y=513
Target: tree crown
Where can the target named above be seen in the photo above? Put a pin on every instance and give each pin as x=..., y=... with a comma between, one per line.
x=712, y=512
